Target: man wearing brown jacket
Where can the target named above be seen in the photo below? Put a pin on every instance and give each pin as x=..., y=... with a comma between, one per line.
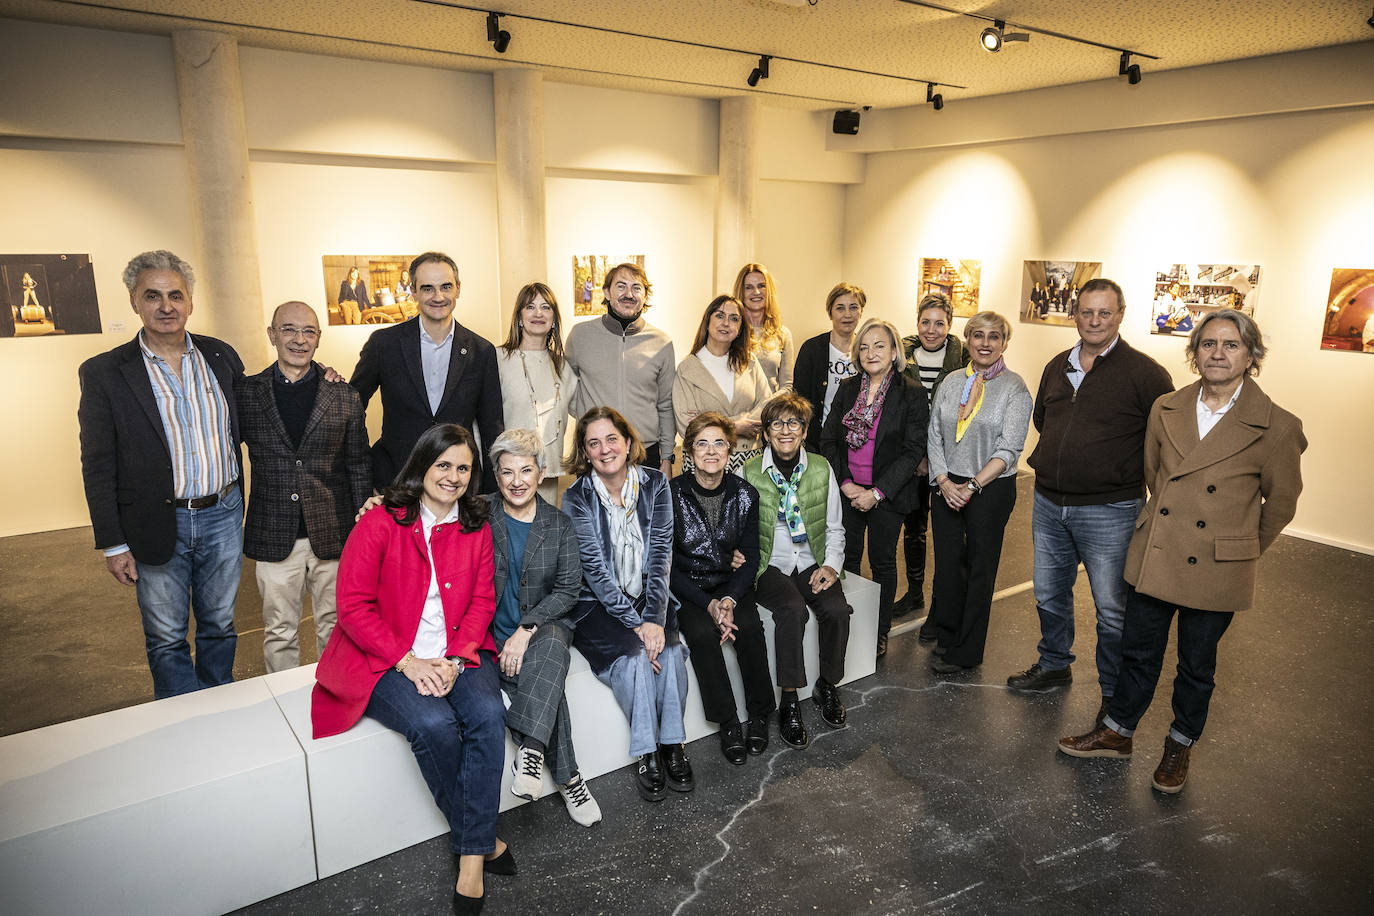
x=1223, y=463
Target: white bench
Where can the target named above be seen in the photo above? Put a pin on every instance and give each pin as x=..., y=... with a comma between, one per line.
x=208, y=802
x=193, y=804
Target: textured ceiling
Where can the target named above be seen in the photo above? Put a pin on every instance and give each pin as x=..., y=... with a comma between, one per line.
x=883, y=36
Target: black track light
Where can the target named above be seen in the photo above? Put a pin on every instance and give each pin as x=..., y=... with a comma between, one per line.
x=1127, y=69
x=760, y=72
x=499, y=37
x=934, y=97
x=995, y=35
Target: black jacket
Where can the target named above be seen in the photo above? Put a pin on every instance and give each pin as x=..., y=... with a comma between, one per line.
x=810, y=378
x=702, y=555
x=900, y=443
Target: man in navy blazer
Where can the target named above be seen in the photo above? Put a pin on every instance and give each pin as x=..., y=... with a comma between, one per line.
x=161, y=465
x=431, y=370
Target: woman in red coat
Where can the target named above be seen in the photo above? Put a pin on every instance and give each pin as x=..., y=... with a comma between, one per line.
x=412, y=647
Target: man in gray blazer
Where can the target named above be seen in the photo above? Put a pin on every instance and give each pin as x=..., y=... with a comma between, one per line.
x=538, y=575
x=307, y=441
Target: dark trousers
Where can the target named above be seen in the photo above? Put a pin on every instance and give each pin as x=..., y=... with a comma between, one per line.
x=968, y=547
x=1143, y=642
x=882, y=526
x=652, y=457
x=788, y=597
x=708, y=660
x=459, y=742
x=914, y=539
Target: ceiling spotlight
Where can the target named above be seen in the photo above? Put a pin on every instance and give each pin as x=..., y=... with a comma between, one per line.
x=499, y=37
x=995, y=35
x=760, y=72
x=934, y=97
x=1129, y=70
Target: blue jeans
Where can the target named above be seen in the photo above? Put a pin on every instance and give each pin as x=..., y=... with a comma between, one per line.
x=459, y=741
x=652, y=702
x=1098, y=537
x=202, y=576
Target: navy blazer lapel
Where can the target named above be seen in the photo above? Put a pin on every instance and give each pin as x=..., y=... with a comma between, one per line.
x=135, y=373
x=459, y=355
x=410, y=332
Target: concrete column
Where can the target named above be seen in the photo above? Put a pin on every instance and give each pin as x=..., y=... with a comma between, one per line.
x=228, y=294
x=519, y=110
x=737, y=195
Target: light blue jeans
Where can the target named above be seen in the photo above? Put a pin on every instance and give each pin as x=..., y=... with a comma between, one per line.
x=201, y=577
x=1098, y=537
x=652, y=702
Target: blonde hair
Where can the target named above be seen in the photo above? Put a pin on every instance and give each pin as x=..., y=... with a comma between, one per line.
x=771, y=330
x=898, y=364
x=988, y=320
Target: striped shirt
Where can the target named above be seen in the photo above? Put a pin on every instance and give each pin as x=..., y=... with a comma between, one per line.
x=195, y=419
x=929, y=363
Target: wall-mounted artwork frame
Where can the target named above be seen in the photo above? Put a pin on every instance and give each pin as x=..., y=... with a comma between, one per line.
x=381, y=292
x=1349, y=321
x=1183, y=293
x=1049, y=290
x=589, y=272
x=959, y=280
x=47, y=295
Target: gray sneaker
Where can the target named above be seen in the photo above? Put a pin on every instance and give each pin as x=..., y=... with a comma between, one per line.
x=582, y=808
x=528, y=766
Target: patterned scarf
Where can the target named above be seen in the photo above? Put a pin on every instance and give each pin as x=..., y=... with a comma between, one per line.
x=627, y=541
x=862, y=416
x=789, y=510
x=972, y=397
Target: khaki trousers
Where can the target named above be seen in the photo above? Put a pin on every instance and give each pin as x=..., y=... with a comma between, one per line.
x=283, y=588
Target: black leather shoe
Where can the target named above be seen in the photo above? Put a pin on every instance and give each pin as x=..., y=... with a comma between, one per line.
x=650, y=778
x=827, y=698
x=464, y=905
x=912, y=601
x=678, y=767
x=1037, y=679
x=938, y=651
x=732, y=743
x=756, y=735
x=925, y=635
x=882, y=644
x=504, y=864
x=940, y=666
x=791, y=726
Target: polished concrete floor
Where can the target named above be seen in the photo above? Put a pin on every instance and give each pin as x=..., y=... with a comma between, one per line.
x=944, y=794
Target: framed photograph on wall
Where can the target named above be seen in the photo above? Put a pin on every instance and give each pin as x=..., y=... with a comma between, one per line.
x=45, y=295
x=1185, y=292
x=589, y=272
x=1349, y=323
x=369, y=289
x=959, y=280
x=1049, y=290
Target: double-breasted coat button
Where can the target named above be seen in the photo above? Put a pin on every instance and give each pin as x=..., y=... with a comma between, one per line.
x=1211, y=488
x=1192, y=561
x=1201, y=523
x=295, y=497
x=1163, y=511
x=298, y=462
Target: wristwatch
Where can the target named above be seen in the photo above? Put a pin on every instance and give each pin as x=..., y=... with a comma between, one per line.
x=974, y=485
x=529, y=626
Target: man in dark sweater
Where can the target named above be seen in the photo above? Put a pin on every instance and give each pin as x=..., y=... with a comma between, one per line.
x=307, y=444
x=1091, y=410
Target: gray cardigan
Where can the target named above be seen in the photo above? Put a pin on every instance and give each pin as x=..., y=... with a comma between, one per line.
x=998, y=431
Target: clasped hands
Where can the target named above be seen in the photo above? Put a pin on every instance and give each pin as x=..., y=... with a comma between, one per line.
x=861, y=499
x=432, y=677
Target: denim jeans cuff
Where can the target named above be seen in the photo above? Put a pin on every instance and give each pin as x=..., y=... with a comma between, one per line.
x=1180, y=737
x=1120, y=730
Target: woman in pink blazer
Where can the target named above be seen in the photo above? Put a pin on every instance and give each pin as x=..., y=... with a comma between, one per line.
x=412, y=647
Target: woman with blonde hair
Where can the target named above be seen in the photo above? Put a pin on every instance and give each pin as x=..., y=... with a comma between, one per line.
x=771, y=340
x=537, y=384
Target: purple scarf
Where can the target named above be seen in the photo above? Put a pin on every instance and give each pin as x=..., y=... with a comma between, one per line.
x=861, y=417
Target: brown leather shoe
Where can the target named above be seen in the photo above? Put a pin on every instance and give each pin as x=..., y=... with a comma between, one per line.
x=1172, y=771
x=1100, y=742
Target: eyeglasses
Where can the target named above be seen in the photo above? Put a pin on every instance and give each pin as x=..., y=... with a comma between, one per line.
x=791, y=424
x=706, y=445
x=303, y=333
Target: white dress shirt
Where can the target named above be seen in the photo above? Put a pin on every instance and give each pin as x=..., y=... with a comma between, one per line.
x=1206, y=418
x=431, y=639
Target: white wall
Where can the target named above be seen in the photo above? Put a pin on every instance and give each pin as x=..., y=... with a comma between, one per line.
x=1287, y=191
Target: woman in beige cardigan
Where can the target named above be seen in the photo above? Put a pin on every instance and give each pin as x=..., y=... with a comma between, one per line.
x=721, y=375
x=1222, y=462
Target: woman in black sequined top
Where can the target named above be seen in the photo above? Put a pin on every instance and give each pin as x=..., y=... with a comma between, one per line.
x=715, y=558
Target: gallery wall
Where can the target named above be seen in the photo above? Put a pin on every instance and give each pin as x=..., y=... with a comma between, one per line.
x=356, y=157
x=1287, y=191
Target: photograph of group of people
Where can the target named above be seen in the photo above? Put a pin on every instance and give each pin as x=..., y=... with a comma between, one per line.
x=363, y=289
x=1050, y=290
x=703, y=492
x=1185, y=292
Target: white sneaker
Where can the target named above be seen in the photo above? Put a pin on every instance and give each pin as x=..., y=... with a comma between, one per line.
x=528, y=767
x=582, y=808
